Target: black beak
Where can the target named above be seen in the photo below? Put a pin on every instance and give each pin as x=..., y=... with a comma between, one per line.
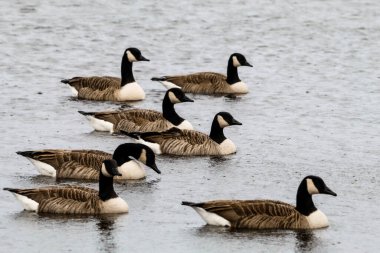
x=186, y=99
x=154, y=167
x=235, y=122
x=142, y=58
x=247, y=64
x=115, y=172
x=328, y=191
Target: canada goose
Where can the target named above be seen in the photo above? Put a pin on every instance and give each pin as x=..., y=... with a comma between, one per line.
x=210, y=82
x=268, y=214
x=70, y=199
x=111, y=88
x=190, y=142
x=142, y=120
x=86, y=164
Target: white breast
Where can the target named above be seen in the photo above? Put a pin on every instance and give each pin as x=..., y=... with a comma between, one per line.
x=227, y=147
x=100, y=125
x=317, y=219
x=239, y=87
x=185, y=125
x=44, y=168
x=130, y=92
x=115, y=205
x=212, y=218
x=131, y=170
x=169, y=85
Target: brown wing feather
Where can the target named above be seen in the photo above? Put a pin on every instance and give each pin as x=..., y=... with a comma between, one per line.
x=184, y=142
x=80, y=164
x=136, y=120
x=95, y=82
x=202, y=82
x=258, y=214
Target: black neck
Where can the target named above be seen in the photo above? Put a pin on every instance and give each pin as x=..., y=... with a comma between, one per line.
x=305, y=204
x=216, y=133
x=126, y=71
x=169, y=113
x=232, y=72
x=106, y=190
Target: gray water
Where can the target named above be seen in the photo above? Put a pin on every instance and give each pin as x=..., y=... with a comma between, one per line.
x=313, y=109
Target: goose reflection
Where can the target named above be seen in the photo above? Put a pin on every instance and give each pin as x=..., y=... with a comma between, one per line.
x=105, y=227
x=305, y=241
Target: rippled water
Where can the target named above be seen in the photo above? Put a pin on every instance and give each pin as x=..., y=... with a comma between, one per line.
x=313, y=109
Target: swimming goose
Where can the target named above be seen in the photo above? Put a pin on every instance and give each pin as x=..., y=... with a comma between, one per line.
x=86, y=164
x=268, y=214
x=190, y=142
x=70, y=199
x=210, y=82
x=111, y=88
x=142, y=120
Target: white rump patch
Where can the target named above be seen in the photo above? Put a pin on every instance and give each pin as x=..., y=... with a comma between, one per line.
x=131, y=92
x=131, y=57
x=311, y=187
x=100, y=125
x=115, y=205
x=222, y=122
x=169, y=85
x=212, y=218
x=317, y=219
x=173, y=98
x=27, y=203
x=73, y=91
x=239, y=87
x=142, y=157
x=44, y=168
x=131, y=170
x=235, y=61
x=185, y=125
x=227, y=147
x=154, y=146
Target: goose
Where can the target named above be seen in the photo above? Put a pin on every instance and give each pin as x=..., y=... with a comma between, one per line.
x=107, y=88
x=268, y=214
x=86, y=164
x=190, y=142
x=142, y=120
x=70, y=199
x=210, y=82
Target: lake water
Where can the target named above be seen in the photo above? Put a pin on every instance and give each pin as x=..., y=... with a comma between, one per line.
x=313, y=108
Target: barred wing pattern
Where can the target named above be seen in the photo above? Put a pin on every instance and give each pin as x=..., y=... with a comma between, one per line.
x=77, y=164
x=95, y=82
x=257, y=214
x=183, y=142
x=136, y=120
x=64, y=199
x=203, y=82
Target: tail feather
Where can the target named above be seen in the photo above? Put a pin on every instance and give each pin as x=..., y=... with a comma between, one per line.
x=26, y=153
x=65, y=81
x=86, y=113
x=187, y=203
x=162, y=78
x=11, y=190
x=133, y=135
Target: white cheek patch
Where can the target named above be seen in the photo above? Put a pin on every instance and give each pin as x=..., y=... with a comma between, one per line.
x=104, y=171
x=311, y=187
x=222, y=122
x=173, y=98
x=142, y=157
x=131, y=57
x=235, y=61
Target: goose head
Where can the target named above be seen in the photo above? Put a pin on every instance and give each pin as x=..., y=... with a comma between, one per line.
x=133, y=55
x=225, y=119
x=138, y=152
x=176, y=95
x=316, y=185
x=109, y=168
x=239, y=60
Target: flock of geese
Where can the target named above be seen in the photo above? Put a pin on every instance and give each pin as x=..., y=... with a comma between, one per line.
x=156, y=133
